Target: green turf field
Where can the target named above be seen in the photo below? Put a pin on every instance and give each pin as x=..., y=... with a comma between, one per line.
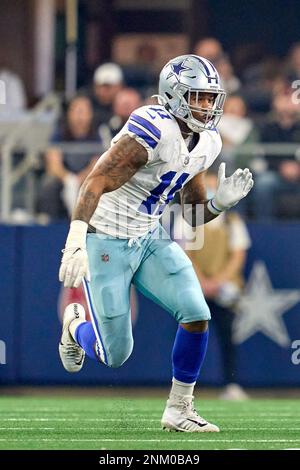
x=128, y=423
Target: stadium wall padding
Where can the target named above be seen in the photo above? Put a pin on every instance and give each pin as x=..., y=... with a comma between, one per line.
x=30, y=325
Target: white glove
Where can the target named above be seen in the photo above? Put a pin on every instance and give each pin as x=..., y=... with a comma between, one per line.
x=230, y=190
x=74, y=264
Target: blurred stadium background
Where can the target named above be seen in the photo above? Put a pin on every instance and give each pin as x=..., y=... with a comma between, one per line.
x=59, y=109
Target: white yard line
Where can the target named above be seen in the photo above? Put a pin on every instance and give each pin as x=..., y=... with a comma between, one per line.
x=81, y=429
x=143, y=416
x=147, y=440
x=125, y=419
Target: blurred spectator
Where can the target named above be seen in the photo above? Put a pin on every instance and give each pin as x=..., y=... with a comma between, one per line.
x=277, y=191
x=15, y=97
x=108, y=80
x=142, y=75
x=210, y=48
x=261, y=81
x=247, y=54
x=125, y=102
x=294, y=62
x=65, y=171
x=236, y=129
x=219, y=266
x=230, y=82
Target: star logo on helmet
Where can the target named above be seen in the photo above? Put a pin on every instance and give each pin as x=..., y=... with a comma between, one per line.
x=177, y=69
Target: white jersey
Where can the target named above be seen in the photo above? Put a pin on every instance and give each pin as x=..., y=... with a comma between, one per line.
x=136, y=207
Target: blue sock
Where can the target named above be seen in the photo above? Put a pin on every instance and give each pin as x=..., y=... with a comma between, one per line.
x=188, y=354
x=86, y=338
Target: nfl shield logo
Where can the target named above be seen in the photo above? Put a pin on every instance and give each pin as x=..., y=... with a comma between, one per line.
x=105, y=258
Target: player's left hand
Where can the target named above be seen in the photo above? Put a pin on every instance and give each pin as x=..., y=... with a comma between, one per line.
x=232, y=189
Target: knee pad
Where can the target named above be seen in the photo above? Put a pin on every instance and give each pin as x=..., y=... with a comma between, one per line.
x=116, y=356
x=194, y=307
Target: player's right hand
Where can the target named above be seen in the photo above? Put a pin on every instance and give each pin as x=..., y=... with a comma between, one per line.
x=74, y=264
x=74, y=267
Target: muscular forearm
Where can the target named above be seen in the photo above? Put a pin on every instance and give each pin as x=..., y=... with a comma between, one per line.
x=228, y=193
x=208, y=216
x=88, y=199
x=194, y=202
x=86, y=171
x=197, y=214
x=113, y=169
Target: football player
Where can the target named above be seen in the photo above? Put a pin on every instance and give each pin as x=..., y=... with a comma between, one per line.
x=115, y=237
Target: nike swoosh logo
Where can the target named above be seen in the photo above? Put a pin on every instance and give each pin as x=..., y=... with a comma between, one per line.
x=196, y=422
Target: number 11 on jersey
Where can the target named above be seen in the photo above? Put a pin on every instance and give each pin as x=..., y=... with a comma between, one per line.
x=149, y=205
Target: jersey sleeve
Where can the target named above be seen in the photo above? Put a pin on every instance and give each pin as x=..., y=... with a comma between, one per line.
x=141, y=127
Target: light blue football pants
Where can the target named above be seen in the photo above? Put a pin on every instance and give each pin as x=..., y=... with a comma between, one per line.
x=158, y=267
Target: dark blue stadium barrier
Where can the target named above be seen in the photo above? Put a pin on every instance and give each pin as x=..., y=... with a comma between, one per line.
x=10, y=257
x=30, y=326
x=262, y=361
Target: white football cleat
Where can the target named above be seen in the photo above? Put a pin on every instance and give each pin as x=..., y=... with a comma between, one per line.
x=180, y=415
x=71, y=354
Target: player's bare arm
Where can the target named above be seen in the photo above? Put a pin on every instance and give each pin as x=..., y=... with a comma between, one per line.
x=112, y=170
x=193, y=196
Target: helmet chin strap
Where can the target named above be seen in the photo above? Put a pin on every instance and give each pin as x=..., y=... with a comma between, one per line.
x=194, y=127
x=187, y=133
x=161, y=100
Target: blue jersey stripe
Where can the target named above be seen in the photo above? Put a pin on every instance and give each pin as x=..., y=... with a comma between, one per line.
x=145, y=128
x=142, y=134
x=148, y=125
